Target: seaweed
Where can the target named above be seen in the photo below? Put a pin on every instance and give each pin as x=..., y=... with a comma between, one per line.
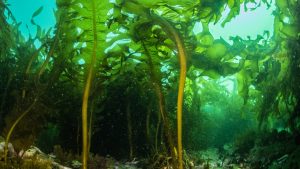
x=98, y=47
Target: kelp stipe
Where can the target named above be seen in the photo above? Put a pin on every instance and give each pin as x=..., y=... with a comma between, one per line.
x=135, y=7
x=28, y=68
x=88, y=17
x=182, y=61
x=7, y=139
x=86, y=93
x=49, y=55
x=155, y=78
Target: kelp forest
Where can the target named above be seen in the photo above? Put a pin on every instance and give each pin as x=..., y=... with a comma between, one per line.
x=130, y=84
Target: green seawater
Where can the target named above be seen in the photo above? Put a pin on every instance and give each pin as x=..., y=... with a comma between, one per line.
x=149, y=84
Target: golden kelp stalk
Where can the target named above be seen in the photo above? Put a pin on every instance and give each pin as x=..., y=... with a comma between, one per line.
x=86, y=93
x=135, y=7
x=182, y=61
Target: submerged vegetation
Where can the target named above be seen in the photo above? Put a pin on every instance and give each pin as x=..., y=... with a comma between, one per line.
x=131, y=79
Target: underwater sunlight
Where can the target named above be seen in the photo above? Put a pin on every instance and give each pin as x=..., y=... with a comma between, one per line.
x=149, y=84
x=248, y=24
x=24, y=9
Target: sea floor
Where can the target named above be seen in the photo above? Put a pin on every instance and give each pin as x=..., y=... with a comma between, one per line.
x=270, y=150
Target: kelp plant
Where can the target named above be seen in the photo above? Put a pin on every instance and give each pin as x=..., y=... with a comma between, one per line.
x=140, y=10
x=92, y=8
x=91, y=20
x=96, y=42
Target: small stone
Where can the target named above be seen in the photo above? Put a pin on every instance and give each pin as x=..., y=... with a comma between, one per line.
x=10, y=148
x=31, y=152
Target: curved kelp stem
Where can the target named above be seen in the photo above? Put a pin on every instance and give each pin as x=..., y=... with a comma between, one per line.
x=161, y=102
x=32, y=58
x=86, y=93
x=13, y=127
x=172, y=32
x=49, y=55
x=28, y=67
x=140, y=10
